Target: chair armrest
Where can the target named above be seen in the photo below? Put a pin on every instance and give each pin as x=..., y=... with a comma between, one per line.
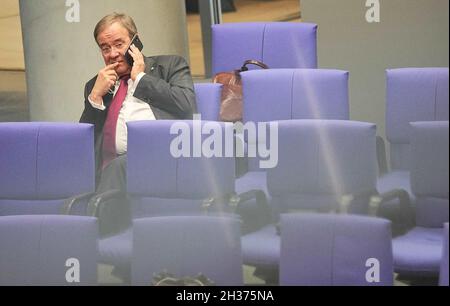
x=254, y=210
x=406, y=209
x=256, y=194
x=348, y=202
x=70, y=202
x=381, y=156
x=234, y=200
x=99, y=200
x=231, y=200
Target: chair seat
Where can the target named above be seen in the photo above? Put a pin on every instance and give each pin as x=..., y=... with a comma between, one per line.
x=261, y=248
x=419, y=250
x=116, y=250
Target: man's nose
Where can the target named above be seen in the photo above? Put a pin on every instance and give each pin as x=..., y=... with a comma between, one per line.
x=115, y=52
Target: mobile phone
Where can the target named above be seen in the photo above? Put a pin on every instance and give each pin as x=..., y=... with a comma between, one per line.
x=138, y=44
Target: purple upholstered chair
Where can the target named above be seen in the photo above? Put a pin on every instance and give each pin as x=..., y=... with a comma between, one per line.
x=277, y=44
x=319, y=161
x=443, y=274
x=160, y=184
x=419, y=251
x=208, y=100
x=47, y=250
x=186, y=246
x=284, y=94
x=44, y=166
x=412, y=94
x=342, y=250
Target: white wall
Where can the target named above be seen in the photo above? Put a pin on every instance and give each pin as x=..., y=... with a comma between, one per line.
x=411, y=33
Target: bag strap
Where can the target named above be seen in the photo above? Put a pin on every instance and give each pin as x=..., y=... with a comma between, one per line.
x=253, y=62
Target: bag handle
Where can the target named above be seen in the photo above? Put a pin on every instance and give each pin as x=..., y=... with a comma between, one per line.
x=253, y=62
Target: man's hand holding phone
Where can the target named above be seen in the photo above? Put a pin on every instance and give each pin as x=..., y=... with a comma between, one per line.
x=106, y=79
x=134, y=57
x=138, y=62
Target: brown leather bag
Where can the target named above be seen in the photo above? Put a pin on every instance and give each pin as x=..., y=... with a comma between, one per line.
x=231, y=100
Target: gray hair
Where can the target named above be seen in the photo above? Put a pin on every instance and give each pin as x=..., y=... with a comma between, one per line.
x=123, y=19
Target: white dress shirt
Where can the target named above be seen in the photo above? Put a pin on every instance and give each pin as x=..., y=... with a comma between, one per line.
x=132, y=109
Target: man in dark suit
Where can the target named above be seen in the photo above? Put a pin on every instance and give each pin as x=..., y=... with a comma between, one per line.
x=152, y=88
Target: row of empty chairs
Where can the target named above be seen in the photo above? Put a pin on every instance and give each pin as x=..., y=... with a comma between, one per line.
x=322, y=165
x=301, y=135
x=319, y=161
x=412, y=94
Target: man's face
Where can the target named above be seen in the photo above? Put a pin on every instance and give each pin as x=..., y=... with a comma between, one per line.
x=113, y=42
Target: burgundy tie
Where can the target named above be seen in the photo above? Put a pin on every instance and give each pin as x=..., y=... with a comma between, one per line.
x=109, y=129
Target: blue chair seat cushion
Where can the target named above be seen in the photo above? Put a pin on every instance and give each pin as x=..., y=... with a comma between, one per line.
x=418, y=251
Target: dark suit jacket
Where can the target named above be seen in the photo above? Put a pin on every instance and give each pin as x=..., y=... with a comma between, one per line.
x=167, y=87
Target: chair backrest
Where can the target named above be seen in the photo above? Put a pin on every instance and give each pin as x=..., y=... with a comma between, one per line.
x=443, y=274
x=329, y=249
x=283, y=94
x=277, y=44
x=186, y=246
x=208, y=97
x=48, y=250
x=156, y=175
x=321, y=160
x=42, y=164
x=412, y=94
x=430, y=172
